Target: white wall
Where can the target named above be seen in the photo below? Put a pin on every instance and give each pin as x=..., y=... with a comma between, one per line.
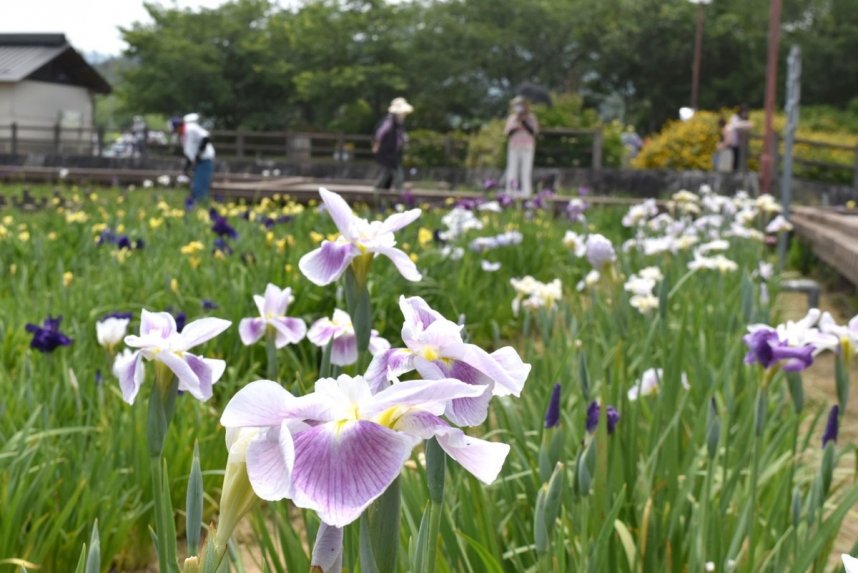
x=40, y=105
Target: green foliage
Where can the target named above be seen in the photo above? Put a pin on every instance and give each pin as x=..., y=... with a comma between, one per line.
x=427, y=148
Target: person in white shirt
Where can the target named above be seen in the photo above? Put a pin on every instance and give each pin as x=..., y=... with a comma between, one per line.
x=733, y=134
x=198, y=151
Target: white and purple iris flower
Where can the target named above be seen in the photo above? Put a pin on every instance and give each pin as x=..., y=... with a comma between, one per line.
x=339, y=329
x=357, y=237
x=272, y=315
x=768, y=348
x=434, y=347
x=160, y=341
x=336, y=450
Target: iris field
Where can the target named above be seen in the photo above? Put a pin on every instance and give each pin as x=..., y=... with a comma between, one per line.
x=541, y=391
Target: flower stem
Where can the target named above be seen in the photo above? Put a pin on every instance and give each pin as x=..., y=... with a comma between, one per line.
x=759, y=424
x=436, y=465
x=271, y=353
x=383, y=521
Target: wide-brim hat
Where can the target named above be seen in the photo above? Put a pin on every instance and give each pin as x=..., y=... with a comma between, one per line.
x=191, y=118
x=400, y=105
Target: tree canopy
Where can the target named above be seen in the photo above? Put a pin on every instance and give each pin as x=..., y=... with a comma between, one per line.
x=335, y=64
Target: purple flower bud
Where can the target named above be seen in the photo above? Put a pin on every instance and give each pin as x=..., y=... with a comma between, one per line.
x=209, y=304
x=552, y=413
x=593, y=413
x=98, y=378
x=120, y=315
x=181, y=318
x=222, y=227
x=830, y=434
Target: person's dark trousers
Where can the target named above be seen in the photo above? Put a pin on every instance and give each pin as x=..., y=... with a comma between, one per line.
x=390, y=178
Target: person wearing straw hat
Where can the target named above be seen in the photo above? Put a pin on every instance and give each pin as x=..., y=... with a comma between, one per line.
x=388, y=143
x=198, y=152
x=521, y=129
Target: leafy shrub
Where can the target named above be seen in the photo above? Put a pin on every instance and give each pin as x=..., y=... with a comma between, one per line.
x=427, y=148
x=691, y=144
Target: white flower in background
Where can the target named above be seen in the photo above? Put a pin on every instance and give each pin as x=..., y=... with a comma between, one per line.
x=658, y=245
x=490, y=206
x=147, y=184
x=339, y=332
x=481, y=244
x=489, y=266
x=644, y=303
x=63, y=173
x=576, y=242
x=452, y=253
x=600, y=251
x=275, y=172
x=744, y=232
x=685, y=196
x=779, y=225
x=649, y=383
x=717, y=245
x=111, y=331
x=638, y=214
x=532, y=294
x=847, y=334
x=718, y=263
x=710, y=566
x=807, y=330
x=765, y=271
x=653, y=273
x=747, y=216
x=685, y=242
x=164, y=180
x=182, y=179
x=639, y=285
x=589, y=281
x=266, y=173
x=767, y=204
x=458, y=221
x=660, y=222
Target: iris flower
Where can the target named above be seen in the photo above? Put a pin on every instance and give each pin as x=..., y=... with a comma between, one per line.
x=339, y=328
x=435, y=348
x=650, y=382
x=272, y=314
x=161, y=341
x=358, y=237
x=110, y=330
x=767, y=347
x=47, y=338
x=336, y=450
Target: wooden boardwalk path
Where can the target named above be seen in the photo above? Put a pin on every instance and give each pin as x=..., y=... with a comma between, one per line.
x=833, y=233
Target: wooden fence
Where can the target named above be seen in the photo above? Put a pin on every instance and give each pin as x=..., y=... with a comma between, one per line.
x=558, y=147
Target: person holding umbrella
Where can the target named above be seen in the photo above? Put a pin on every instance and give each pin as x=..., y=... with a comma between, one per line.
x=198, y=151
x=521, y=130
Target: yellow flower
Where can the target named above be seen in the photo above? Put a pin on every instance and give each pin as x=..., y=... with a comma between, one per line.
x=155, y=222
x=120, y=199
x=316, y=237
x=162, y=206
x=76, y=217
x=68, y=277
x=192, y=248
x=218, y=254
x=413, y=257
x=13, y=269
x=850, y=204
x=93, y=197
x=406, y=247
x=269, y=238
x=174, y=285
x=424, y=236
x=121, y=255
x=195, y=262
x=290, y=240
x=98, y=228
x=281, y=245
x=3, y=232
x=120, y=228
x=24, y=236
x=288, y=268
x=8, y=220
x=52, y=236
x=120, y=214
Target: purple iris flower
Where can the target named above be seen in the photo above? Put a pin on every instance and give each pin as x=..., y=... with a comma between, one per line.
x=583, y=191
x=272, y=314
x=593, y=413
x=123, y=242
x=209, y=304
x=505, y=200
x=222, y=227
x=830, y=434
x=336, y=450
x=552, y=414
x=767, y=348
x=139, y=244
x=189, y=203
x=434, y=346
x=358, y=237
x=490, y=184
x=47, y=338
x=106, y=236
x=408, y=199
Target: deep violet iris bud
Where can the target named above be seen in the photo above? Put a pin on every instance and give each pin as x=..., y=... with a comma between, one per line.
x=552, y=413
x=593, y=413
x=99, y=379
x=189, y=203
x=831, y=427
x=209, y=304
x=139, y=244
x=181, y=318
x=119, y=315
x=47, y=338
x=123, y=242
x=221, y=246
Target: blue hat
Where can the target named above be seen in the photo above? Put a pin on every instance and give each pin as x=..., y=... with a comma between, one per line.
x=175, y=121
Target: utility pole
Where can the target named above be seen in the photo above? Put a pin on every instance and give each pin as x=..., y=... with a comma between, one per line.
x=766, y=161
x=698, y=43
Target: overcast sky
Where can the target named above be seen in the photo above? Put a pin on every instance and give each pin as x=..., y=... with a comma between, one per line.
x=90, y=25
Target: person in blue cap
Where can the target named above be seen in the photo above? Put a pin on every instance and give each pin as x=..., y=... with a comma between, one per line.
x=198, y=151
